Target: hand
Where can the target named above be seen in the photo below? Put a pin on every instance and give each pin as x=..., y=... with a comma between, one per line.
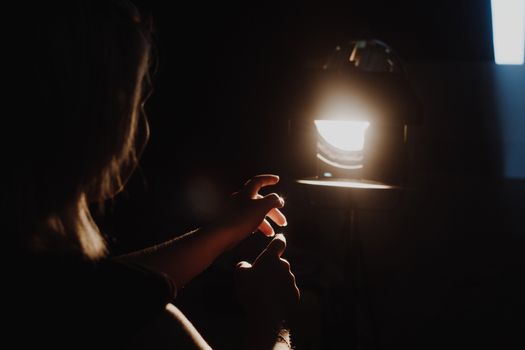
x=267, y=289
x=249, y=209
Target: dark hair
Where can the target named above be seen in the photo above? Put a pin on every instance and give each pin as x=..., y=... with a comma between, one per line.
x=81, y=67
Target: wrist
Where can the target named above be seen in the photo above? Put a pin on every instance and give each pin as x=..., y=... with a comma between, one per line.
x=218, y=237
x=223, y=234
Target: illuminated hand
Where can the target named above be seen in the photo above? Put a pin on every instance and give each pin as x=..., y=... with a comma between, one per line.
x=249, y=210
x=267, y=289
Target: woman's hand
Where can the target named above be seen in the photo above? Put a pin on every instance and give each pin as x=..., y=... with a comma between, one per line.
x=248, y=210
x=184, y=257
x=267, y=291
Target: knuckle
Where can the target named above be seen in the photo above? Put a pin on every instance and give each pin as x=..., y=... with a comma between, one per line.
x=285, y=263
x=274, y=197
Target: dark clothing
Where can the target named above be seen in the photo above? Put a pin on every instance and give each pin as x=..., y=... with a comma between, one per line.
x=67, y=302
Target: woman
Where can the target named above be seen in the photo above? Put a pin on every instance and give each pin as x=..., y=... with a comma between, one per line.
x=80, y=81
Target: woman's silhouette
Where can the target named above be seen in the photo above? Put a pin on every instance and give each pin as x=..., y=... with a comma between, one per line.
x=79, y=78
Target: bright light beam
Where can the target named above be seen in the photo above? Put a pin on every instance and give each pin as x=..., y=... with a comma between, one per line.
x=343, y=134
x=508, y=31
x=346, y=184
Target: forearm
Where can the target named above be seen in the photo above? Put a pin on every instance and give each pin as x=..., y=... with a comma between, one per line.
x=184, y=257
x=187, y=256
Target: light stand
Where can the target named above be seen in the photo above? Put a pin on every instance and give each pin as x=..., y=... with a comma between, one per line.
x=356, y=327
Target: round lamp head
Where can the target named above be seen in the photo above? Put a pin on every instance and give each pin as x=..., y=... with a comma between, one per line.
x=365, y=104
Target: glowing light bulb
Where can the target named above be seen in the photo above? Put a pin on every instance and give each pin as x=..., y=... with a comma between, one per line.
x=345, y=135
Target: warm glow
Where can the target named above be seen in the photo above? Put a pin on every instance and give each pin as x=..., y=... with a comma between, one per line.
x=508, y=28
x=346, y=184
x=343, y=134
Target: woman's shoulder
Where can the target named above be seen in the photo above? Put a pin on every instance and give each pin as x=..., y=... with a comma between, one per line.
x=107, y=299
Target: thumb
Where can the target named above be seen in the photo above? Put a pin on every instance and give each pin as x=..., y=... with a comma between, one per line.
x=274, y=250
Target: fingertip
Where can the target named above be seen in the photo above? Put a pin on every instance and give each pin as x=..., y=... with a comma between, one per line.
x=270, y=233
x=279, y=199
x=277, y=245
x=266, y=228
x=280, y=237
x=273, y=200
x=273, y=250
x=272, y=178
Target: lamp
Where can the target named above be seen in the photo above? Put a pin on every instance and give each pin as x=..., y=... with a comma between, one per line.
x=362, y=115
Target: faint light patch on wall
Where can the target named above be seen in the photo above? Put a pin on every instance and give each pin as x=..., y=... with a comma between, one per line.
x=510, y=93
x=203, y=198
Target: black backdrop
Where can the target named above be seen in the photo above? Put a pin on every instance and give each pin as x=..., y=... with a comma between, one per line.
x=445, y=267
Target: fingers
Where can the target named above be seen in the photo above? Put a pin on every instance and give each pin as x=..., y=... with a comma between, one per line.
x=263, y=208
x=285, y=263
x=253, y=185
x=278, y=217
x=275, y=214
x=273, y=251
x=266, y=228
x=270, y=202
x=291, y=276
x=297, y=291
x=276, y=247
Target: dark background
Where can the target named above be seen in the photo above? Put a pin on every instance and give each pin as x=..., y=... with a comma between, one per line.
x=444, y=264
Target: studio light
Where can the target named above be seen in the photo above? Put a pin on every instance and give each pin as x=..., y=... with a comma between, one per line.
x=359, y=119
x=362, y=115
